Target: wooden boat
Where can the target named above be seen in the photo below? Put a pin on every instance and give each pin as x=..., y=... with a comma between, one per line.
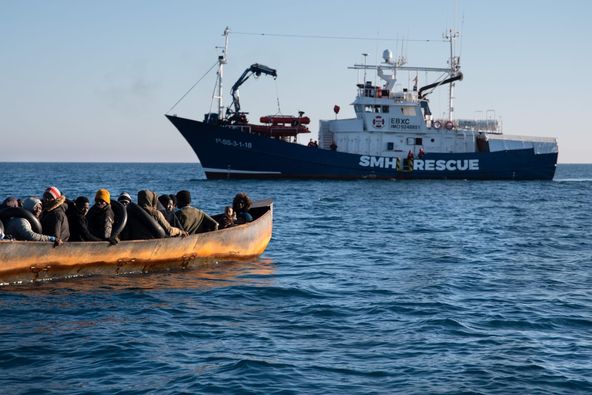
x=29, y=261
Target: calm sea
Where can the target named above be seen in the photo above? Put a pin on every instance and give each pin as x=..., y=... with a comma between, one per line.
x=367, y=287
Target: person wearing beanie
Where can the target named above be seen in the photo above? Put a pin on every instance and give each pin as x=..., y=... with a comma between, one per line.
x=21, y=229
x=124, y=198
x=183, y=198
x=53, y=218
x=100, y=216
x=78, y=221
x=192, y=219
x=52, y=193
x=33, y=205
x=104, y=195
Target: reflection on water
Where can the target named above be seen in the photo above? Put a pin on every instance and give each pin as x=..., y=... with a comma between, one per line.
x=205, y=276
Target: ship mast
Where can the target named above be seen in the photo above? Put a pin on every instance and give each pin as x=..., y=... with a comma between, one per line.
x=454, y=62
x=221, y=62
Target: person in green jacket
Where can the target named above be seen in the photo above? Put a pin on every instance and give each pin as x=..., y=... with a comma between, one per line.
x=193, y=220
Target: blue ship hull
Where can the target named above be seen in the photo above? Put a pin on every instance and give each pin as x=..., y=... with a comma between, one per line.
x=228, y=153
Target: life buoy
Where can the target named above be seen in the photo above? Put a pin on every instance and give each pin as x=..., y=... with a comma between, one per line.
x=146, y=220
x=378, y=122
x=449, y=125
x=120, y=218
x=20, y=212
x=437, y=124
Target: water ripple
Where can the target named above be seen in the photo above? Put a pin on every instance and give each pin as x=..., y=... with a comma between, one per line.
x=435, y=287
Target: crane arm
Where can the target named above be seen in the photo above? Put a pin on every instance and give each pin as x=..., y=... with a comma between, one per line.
x=256, y=69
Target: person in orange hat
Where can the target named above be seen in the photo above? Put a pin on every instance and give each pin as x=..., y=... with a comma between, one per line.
x=53, y=218
x=100, y=216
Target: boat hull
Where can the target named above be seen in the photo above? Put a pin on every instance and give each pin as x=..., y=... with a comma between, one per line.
x=26, y=261
x=227, y=153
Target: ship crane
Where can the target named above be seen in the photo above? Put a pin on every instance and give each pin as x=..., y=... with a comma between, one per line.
x=256, y=69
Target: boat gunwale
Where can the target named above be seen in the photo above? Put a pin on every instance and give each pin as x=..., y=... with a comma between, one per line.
x=235, y=243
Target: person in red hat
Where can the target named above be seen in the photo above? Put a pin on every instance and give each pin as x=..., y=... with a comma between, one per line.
x=53, y=219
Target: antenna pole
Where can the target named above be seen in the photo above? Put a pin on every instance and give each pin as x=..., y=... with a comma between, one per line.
x=365, y=55
x=454, y=66
x=222, y=60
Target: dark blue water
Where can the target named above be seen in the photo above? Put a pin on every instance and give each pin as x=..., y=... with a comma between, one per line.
x=367, y=287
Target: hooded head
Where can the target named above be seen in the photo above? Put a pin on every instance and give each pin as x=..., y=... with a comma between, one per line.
x=104, y=195
x=10, y=202
x=183, y=198
x=30, y=203
x=166, y=202
x=147, y=199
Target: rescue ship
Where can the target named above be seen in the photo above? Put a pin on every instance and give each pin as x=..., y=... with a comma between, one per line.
x=394, y=135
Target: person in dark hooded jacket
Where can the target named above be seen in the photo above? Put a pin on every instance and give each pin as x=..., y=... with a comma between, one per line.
x=78, y=221
x=149, y=202
x=53, y=219
x=101, y=216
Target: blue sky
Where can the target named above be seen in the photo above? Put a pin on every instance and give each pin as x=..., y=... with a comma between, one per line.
x=91, y=81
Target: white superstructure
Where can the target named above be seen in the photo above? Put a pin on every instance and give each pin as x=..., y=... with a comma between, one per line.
x=394, y=123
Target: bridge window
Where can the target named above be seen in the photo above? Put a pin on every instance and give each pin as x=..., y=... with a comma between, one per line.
x=414, y=141
x=408, y=111
x=390, y=146
x=376, y=109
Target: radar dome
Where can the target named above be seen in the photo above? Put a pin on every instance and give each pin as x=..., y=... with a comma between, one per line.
x=387, y=55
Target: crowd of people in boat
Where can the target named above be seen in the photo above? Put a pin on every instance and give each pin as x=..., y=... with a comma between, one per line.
x=54, y=218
